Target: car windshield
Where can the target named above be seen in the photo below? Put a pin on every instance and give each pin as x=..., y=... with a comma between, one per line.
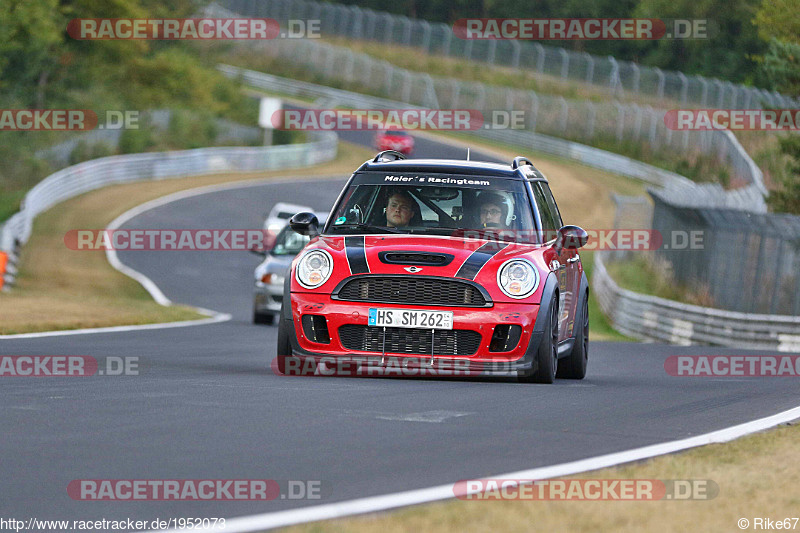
x=289, y=242
x=461, y=206
x=392, y=133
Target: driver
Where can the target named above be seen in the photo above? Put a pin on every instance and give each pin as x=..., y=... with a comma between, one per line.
x=400, y=209
x=494, y=210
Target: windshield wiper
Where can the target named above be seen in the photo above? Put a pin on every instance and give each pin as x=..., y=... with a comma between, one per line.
x=368, y=227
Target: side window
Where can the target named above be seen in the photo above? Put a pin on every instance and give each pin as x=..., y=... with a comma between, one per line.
x=551, y=202
x=548, y=220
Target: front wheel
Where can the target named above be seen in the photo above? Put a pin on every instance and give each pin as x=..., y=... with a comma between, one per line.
x=574, y=365
x=547, y=354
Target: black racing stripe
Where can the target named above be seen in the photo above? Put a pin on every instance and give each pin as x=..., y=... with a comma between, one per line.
x=478, y=258
x=356, y=255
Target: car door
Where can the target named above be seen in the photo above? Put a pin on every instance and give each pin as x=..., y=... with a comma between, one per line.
x=567, y=259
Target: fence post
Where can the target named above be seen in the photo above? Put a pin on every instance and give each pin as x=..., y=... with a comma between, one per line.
x=426, y=36
x=564, y=114
x=406, y=30
x=684, y=87
x=515, y=53
x=590, y=122
x=539, y=57
x=589, y=67
x=660, y=91
x=492, y=51
x=448, y=36
x=620, y=120
x=564, y=63
x=534, y=109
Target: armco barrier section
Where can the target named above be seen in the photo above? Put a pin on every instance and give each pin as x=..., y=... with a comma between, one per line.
x=90, y=175
x=656, y=319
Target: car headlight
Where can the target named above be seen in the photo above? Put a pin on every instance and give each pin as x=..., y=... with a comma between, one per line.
x=518, y=278
x=314, y=269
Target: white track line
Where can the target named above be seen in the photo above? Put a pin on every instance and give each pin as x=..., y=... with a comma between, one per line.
x=147, y=283
x=261, y=522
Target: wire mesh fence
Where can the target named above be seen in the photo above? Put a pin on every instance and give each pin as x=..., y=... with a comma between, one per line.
x=619, y=78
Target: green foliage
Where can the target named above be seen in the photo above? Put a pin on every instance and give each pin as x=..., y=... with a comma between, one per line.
x=84, y=151
x=779, y=19
x=781, y=66
x=133, y=141
x=192, y=130
x=786, y=199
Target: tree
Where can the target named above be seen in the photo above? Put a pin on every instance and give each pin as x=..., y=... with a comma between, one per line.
x=786, y=199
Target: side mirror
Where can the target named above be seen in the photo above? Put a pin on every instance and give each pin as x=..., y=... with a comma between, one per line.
x=571, y=238
x=305, y=224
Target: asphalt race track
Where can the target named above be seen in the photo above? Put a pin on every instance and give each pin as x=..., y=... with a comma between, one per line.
x=207, y=406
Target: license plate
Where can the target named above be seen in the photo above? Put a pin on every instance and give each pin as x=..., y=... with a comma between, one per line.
x=411, y=318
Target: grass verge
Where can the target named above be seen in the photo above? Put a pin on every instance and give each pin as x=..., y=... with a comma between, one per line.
x=754, y=474
x=648, y=275
x=60, y=289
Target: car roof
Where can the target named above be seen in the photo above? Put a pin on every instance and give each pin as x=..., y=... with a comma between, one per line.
x=448, y=166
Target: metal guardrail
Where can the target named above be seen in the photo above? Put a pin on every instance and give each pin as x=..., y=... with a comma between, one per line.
x=656, y=319
x=90, y=175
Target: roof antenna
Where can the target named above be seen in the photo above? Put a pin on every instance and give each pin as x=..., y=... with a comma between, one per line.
x=467, y=153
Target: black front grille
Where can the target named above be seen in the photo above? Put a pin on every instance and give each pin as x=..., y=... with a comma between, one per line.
x=417, y=290
x=409, y=340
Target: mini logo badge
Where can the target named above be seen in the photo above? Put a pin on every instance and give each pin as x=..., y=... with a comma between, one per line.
x=412, y=269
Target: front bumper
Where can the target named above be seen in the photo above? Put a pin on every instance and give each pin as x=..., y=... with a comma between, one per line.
x=483, y=321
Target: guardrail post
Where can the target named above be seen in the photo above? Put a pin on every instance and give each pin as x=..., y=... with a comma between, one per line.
x=637, y=73
x=370, y=15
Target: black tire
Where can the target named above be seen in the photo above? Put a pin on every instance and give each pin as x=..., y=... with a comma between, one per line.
x=547, y=354
x=263, y=318
x=283, y=348
x=574, y=365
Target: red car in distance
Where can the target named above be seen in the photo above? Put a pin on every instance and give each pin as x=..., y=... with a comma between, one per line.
x=396, y=140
